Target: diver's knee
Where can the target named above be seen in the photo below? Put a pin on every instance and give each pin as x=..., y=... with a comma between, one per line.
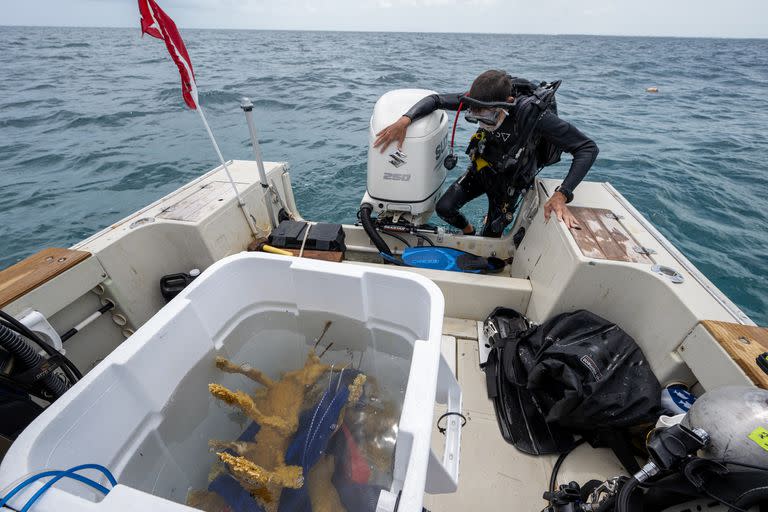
x=445, y=208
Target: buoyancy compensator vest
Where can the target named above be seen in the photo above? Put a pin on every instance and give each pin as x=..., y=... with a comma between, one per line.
x=516, y=149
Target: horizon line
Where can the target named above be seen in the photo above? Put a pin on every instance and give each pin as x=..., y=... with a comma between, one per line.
x=658, y=36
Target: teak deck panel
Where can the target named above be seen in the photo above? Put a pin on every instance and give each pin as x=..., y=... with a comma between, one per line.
x=199, y=204
x=26, y=275
x=602, y=236
x=743, y=343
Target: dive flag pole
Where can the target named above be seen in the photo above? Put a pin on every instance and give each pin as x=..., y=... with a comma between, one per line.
x=156, y=23
x=240, y=201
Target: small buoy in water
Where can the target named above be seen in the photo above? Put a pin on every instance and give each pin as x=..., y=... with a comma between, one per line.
x=651, y=89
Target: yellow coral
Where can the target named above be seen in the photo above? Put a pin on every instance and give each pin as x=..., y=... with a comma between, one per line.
x=282, y=476
x=245, y=402
x=228, y=366
x=259, y=464
x=324, y=497
x=356, y=388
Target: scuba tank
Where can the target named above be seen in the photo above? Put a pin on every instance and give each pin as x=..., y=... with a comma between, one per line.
x=531, y=103
x=530, y=109
x=736, y=419
x=719, y=452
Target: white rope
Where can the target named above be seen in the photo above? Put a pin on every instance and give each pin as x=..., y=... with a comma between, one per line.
x=304, y=242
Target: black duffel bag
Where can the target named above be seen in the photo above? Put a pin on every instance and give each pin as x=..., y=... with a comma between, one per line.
x=575, y=374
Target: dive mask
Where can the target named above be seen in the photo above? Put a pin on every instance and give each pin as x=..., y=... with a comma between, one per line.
x=488, y=118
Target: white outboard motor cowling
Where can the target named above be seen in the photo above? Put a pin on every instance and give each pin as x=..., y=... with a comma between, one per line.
x=406, y=183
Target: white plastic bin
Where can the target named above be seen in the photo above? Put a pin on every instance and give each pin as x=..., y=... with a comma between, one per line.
x=144, y=412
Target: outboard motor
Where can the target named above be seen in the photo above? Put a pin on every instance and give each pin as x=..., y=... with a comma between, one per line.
x=404, y=185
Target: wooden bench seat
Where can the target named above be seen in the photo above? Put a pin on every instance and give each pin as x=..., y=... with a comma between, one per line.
x=26, y=275
x=744, y=343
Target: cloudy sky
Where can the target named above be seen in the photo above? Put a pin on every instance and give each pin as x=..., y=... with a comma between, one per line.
x=716, y=18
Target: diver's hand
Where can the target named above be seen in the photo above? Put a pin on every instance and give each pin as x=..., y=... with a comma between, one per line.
x=393, y=133
x=556, y=204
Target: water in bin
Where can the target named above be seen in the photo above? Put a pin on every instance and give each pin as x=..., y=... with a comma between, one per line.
x=317, y=435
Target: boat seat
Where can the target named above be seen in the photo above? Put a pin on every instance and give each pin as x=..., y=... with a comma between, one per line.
x=744, y=343
x=26, y=275
x=724, y=354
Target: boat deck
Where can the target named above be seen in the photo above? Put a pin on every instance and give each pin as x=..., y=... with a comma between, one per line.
x=492, y=473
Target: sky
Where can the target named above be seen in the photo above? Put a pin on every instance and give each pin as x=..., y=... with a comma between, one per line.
x=682, y=18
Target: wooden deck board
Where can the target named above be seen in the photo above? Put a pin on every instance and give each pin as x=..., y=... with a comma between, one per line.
x=334, y=256
x=743, y=343
x=602, y=236
x=23, y=277
x=624, y=239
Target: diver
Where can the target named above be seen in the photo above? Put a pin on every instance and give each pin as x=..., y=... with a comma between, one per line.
x=494, y=149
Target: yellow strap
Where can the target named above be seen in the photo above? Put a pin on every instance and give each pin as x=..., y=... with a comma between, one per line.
x=275, y=250
x=480, y=162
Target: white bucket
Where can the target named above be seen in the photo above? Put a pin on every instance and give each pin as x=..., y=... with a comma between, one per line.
x=145, y=413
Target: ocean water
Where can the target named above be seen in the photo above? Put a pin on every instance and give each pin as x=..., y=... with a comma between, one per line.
x=92, y=125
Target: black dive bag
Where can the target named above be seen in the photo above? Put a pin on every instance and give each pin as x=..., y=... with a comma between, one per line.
x=575, y=374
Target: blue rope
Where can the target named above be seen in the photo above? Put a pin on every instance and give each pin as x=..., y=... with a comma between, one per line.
x=58, y=475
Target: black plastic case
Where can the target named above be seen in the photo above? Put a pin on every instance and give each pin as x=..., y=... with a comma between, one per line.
x=322, y=237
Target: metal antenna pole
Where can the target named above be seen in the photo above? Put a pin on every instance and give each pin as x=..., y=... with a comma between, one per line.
x=247, y=107
x=240, y=202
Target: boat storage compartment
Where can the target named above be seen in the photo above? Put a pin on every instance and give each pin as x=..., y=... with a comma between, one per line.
x=145, y=412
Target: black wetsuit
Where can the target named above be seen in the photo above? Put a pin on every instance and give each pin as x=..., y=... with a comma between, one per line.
x=504, y=188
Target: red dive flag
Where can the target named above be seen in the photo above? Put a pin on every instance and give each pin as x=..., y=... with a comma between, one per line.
x=156, y=23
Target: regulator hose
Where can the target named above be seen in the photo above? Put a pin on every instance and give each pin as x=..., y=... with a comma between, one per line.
x=29, y=358
x=73, y=374
x=622, y=501
x=750, y=498
x=365, y=219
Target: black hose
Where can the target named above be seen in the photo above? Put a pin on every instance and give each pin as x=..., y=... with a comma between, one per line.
x=365, y=218
x=425, y=238
x=559, y=462
x=28, y=358
x=731, y=507
x=393, y=235
x=71, y=372
x=756, y=496
x=742, y=464
x=622, y=501
x=69, y=367
x=46, y=347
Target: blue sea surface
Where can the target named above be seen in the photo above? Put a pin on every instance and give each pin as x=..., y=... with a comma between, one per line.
x=93, y=127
